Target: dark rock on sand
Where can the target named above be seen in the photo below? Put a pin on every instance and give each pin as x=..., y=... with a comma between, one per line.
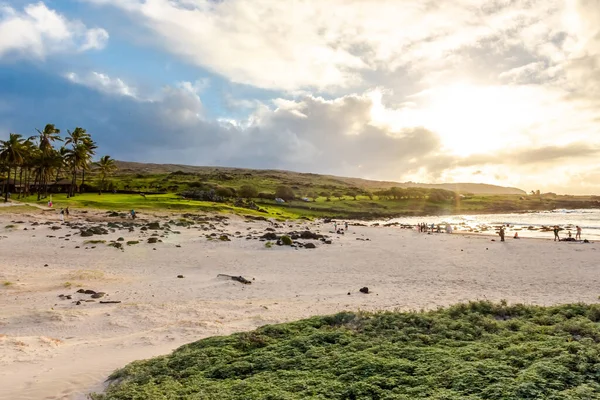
x=153, y=225
x=270, y=236
x=364, y=290
x=180, y=276
x=309, y=246
x=98, y=295
x=94, y=230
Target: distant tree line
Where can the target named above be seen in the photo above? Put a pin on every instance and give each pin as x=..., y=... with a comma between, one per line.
x=398, y=193
x=209, y=192
x=36, y=164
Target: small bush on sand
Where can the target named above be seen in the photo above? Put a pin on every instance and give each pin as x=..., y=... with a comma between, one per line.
x=67, y=284
x=94, y=241
x=10, y=226
x=286, y=240
x=86, y=275
x=132, y=242
x=7, y=283
x=268, y=245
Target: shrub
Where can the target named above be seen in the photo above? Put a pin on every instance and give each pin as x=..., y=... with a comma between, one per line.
x=285, y=192
x=248, y=192
x=225, y=192
x=268, y=245
x=286, y=240
x=266, y=196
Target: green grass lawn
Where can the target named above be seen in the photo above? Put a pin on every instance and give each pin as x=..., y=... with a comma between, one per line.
x=470, y=351
x=158, y=202
x=346, y=207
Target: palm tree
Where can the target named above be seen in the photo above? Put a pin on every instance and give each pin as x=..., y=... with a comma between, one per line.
x=106, y=167
x=47, y=157
x=28, y=152
x=11, y=152
x=74, y=154
x=90, y=151
x=80, y=155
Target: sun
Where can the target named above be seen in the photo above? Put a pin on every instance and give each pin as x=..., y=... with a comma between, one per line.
x=469, y=119
x=472, y=119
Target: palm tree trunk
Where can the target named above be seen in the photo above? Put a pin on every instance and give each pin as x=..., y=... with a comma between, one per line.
x=37, y=182
x=15, y=180
x=7, y=185
x=74, y=183
x=21, y=191
x=82, y=179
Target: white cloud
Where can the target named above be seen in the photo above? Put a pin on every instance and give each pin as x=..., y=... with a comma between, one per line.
x=38, y=31
x=325, y=44
x=103, y=83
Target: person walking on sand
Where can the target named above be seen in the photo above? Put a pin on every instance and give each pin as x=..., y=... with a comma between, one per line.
x=67, y=212
x=556, y=237
x=346, y=225
x=132, y=213
x=501, y=233
x=62, y=215
x=335, y=226
x=578, y=234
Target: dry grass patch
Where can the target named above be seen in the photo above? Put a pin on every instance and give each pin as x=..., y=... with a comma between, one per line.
x=86, y=275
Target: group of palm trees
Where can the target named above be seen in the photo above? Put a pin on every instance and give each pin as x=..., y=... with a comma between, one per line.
x=35, y=163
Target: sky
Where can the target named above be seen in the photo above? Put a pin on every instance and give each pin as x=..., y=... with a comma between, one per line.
x=503, y=92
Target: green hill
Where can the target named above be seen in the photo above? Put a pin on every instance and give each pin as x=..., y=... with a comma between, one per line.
x=141, y=175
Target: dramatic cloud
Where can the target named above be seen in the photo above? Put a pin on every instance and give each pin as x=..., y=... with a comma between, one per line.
x=320, y=44
x=38, y=31
x=493, y=91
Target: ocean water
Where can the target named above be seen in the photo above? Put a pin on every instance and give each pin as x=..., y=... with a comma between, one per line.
x=529, y=224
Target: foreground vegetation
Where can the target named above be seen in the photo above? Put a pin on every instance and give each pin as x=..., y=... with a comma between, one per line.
x=470, y=351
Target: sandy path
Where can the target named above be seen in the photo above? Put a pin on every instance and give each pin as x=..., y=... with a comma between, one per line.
x=53, y=349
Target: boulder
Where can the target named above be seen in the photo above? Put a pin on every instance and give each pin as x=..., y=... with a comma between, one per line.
x=270, y=236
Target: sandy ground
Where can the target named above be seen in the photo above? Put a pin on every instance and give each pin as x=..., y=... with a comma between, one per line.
x=52, y=348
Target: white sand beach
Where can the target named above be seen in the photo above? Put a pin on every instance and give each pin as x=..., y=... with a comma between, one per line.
x=53, y=348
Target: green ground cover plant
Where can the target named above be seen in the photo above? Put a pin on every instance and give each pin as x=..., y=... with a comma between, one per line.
x=479, y=350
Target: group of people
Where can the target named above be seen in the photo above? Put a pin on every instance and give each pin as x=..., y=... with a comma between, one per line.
x=64, y=213
x=341, y=229
x=423, y=227
x=556, y=230
x=569, y=237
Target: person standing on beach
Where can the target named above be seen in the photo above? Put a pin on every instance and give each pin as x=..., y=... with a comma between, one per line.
x=62, y=215
x=556, y=237
x=346, y=225
x=67, y=212
x=578, y=234
x=501, y=233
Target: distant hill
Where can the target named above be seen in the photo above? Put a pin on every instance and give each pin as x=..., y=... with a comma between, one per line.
x=267, y=178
